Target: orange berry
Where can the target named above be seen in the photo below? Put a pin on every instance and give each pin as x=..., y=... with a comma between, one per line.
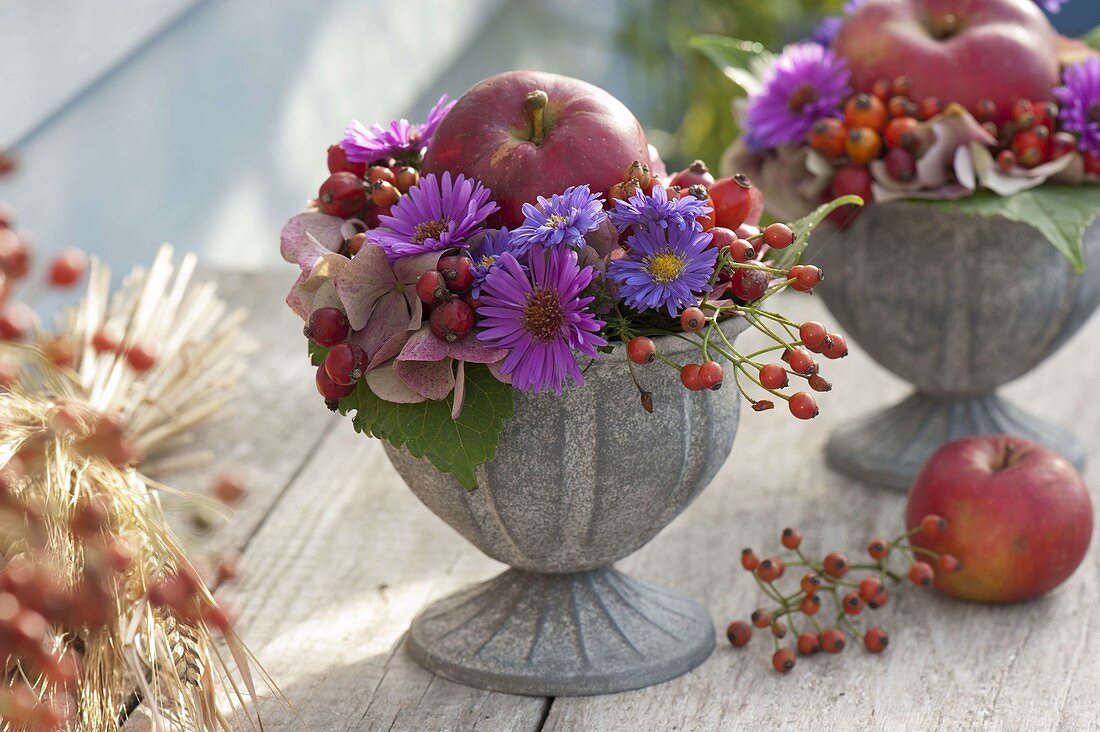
x=863, y=145
x=865, y=110
x=901, y=132
x=827, y=136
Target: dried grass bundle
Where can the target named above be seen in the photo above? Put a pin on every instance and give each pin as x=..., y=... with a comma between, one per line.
x=105, y=606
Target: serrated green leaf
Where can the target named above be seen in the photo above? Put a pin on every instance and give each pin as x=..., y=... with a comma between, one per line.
x=1061, y=213
x=740, y=61
x=787, y=258
x=455, y=446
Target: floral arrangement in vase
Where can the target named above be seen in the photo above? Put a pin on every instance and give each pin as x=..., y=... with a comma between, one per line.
x=976, y=107
x=972, y=129
x=504, y=244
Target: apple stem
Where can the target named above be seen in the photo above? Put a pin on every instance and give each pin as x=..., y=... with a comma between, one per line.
x=536, y=102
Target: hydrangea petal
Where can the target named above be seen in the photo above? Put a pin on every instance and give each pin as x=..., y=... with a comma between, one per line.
x=431, y=379
x=387, y=385
x=365, y=279
x=293, y=239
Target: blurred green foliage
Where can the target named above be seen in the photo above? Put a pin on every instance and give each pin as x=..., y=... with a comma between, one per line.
x=686, y=100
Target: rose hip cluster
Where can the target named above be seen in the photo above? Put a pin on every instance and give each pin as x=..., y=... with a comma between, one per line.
x=888, y=124
x=743, y=279
x=445, y=293
x=801, y=613
x=363, y=190
x=18, y=321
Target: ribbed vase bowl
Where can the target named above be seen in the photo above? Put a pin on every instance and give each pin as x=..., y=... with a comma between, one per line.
x=579, y=481
x=957, y=306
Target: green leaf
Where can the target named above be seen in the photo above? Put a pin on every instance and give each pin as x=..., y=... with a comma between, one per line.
x=740, y=61
x=317, y=353
x=1092, y=38
x=1061, y=213
x=455, y=446
x=787, y=258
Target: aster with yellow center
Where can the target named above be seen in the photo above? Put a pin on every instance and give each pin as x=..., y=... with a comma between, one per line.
x=665, y=268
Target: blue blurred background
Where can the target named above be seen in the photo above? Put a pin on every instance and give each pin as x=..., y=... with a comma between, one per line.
x=205, y=122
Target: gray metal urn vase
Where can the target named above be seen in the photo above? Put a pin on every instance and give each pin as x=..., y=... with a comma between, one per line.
x=957, y=306
x=579, y=482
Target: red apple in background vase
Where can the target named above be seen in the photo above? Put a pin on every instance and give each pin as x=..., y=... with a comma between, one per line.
x=525, y=134
x=957, y=50
x=1018, y=516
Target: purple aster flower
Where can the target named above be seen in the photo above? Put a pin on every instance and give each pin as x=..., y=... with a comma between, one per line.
x=435, y=214
x=808, y=82
x=664, y=268
x=399, y=138
x=563, y=219
x=1080, y=98
x=656, y=211
x=485, y=249
x=1052, y=6
x=540, y=318
x=826, y=30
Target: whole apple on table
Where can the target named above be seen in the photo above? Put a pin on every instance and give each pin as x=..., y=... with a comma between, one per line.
x=1019, y=517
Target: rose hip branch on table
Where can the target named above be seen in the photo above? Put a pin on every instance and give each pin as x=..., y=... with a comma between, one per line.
x=527, y=308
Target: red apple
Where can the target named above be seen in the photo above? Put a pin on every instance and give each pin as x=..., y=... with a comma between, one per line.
x=528, y=133
x=1018, y=516
x=958, y=50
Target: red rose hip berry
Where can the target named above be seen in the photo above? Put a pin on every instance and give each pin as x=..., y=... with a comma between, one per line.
x=343, y=195
x=783, y=660
x=835, y=564
x=921, y=574
x=710, y=375
x=641, y=350
x=344, y=364
x=458, y=272
x=739, y=633
x=327, y=327
x=451, y=321
x=773, y=376
x=748, y=284
x=689, y=377
x=778, y=236
x=329, y=389
x=68, y=267
x=692, y=320
x=875, y=640
x=833, y=641
x=431, y=287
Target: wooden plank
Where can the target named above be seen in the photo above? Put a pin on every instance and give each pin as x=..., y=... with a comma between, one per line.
x=334, y=575
x=950, y=665
x=268, y=450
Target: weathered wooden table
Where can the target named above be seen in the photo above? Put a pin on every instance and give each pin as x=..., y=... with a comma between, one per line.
x=338, y=557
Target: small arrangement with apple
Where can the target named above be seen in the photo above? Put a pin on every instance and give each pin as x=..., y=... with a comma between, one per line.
x=489, y=292
x=507, y=241
x=992, y=519
x=973, y=131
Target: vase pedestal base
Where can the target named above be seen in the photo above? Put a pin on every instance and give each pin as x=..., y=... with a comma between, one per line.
x=889, y=447
x=593, y=632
